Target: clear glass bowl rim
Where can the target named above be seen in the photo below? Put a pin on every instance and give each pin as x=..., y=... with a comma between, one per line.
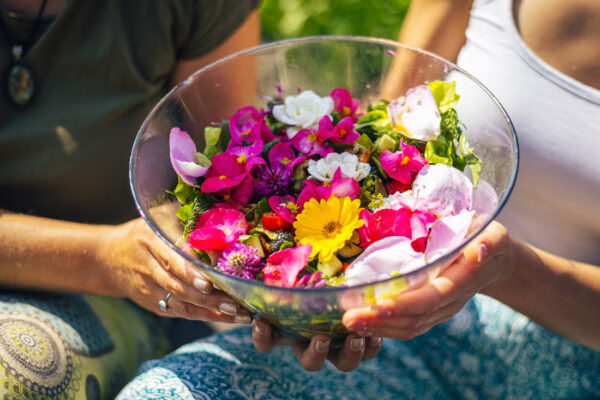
x=310, y=39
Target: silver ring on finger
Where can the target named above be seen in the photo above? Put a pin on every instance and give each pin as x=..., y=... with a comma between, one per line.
x=164, y=303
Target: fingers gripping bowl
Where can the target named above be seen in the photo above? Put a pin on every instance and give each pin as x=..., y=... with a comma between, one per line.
x=370, y=70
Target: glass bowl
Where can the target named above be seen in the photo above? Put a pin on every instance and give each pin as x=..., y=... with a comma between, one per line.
x=370, y=69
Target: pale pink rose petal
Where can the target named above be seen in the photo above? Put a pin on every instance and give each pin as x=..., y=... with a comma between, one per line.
x=447, y=233
x=381, y=259
x=445, y=185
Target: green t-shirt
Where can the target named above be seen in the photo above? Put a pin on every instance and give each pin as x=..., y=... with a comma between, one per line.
x=101, y=66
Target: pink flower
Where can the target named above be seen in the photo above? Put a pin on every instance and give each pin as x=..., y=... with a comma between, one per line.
x=249, y=125
x=447, y=233
x=244, y=153
x=383, y=223
x=282, y=267
x=344, y=104
x=404, y=164
x=217, y=229
x=283, y=155
x=343, y=132
x=182, y=151
x=309, y=141
x=226, y=172
x=284, y=206
x=421, y=218
x=339, y=187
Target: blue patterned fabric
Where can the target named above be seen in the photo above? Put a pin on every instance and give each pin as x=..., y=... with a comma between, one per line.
x=487, y=351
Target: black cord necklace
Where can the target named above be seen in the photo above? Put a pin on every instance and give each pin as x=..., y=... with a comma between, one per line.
x=19, y=79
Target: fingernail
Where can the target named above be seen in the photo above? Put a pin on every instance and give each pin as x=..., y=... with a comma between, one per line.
x=357, y=345
x=228, y=308
x=321, y=346
x=376, y=341
x=242, y=319
x=259, y=330
x=201, y=285
x=483, y=252
x=384, y=314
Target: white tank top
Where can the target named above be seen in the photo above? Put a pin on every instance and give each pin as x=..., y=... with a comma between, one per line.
x=555, y=204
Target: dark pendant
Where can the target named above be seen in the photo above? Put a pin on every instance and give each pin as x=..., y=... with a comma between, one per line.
x=20, y=84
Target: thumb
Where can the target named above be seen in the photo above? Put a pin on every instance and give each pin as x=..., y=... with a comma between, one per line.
x=488, y=245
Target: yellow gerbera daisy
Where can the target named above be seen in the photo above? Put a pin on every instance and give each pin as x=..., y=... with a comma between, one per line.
x=327, y=225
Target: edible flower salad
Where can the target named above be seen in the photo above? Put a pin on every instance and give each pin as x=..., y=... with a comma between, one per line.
x=310, y=191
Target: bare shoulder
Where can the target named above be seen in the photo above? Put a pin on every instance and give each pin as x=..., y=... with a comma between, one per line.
x=566, y=34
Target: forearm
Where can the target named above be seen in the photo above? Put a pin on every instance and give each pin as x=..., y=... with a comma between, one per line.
x=436, y=25
x=559, y=294
x=41, y=253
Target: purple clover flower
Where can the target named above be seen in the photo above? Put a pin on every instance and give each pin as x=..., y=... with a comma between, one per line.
x=240, y=260
x=274, y=180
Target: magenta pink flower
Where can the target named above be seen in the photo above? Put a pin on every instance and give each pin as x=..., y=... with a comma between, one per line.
x=343, y=132
x=282, y=267
x=344, y=104
x=182, y=151
x=226, y=172
x=421, y=219
x=249, y=125
x=244, y=153
x=344, y=187
x=402, y=165
x=338, y=187
x=217, y=229
x=309, y=141
x=284, y=206
x=382, y=224
x=283, y=155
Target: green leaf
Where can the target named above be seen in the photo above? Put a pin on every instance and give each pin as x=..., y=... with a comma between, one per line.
x=184, y=213
x=225, y=136
x=444, y=94
x=364, y=141
x=262, y=207
x=211, y=137
x=202, y=203
x=184, y=192
x=439, y=151
x=470, y=158
x=377, y=120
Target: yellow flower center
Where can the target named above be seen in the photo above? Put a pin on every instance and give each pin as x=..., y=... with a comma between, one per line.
x=286, y=161
x=332, y=229
x=246, y=133
x=342, y=132
x=312, y=137
x=405, y=161
x=222, y=177
x=242, y=159
x=346, y=111
x=292, y=207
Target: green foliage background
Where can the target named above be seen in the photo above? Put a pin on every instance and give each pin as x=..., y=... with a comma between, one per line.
x=283, y=19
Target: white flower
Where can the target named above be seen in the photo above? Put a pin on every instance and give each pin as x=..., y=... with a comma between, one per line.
x=416, y=115
x=325, y=168
x=303, y=111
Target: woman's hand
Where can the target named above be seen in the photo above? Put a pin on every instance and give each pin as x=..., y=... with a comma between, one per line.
x=414, y=312
x=142, y=267
x=313, y=356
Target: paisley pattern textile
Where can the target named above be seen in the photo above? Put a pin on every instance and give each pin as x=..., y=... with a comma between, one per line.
x=62, y=346
x=487, y=351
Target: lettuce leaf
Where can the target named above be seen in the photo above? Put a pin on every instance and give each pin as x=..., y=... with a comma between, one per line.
x=444, y=94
